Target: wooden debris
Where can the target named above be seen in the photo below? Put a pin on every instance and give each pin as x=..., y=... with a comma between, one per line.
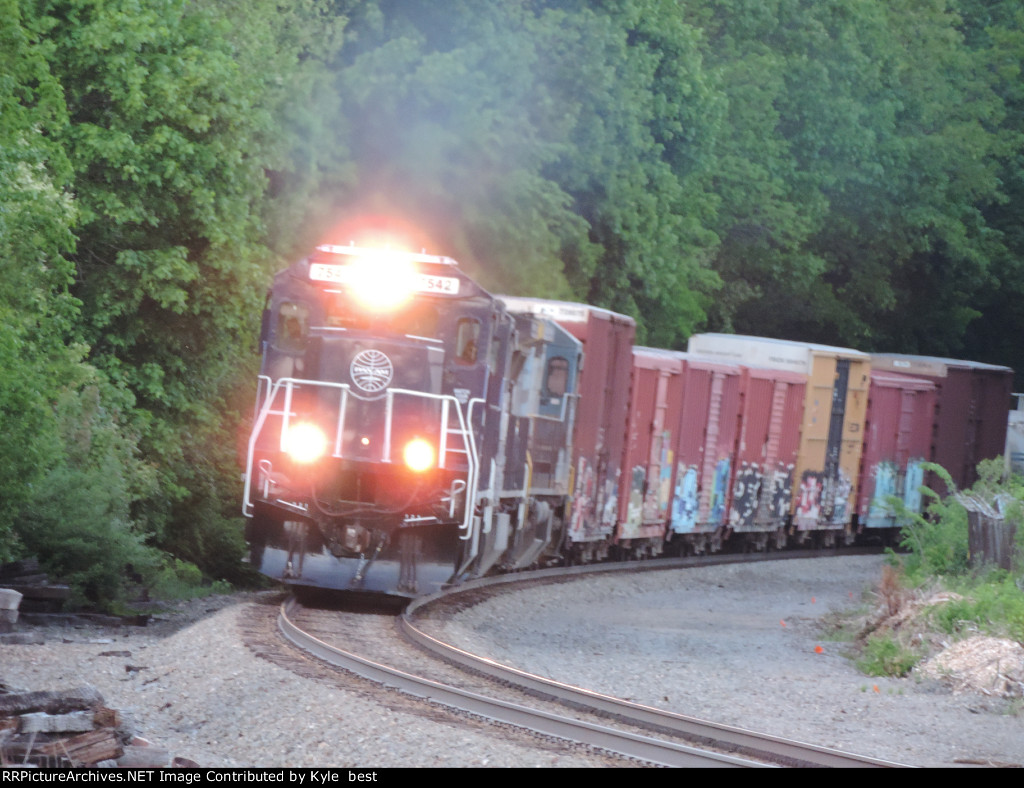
x=86, y=748
x=41, y=722
x=39, y=594
x=71, y=728
x=61, y=702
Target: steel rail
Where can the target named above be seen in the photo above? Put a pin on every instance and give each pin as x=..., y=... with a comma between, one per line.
x=784, y=751
x=623, y=743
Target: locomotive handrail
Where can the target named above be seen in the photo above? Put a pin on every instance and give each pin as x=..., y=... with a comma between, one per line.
x=474, y=480
x=465, y=429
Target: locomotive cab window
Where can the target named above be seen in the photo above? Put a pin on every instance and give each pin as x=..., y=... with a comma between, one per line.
x=292, y=327
x=419, y=318
x=556, y=381
x=467, y=340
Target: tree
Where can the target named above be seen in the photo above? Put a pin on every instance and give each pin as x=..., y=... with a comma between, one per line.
x=68, y=467
x=859, y=142
x=35, y=308
x=176, y=128
x=534, y=140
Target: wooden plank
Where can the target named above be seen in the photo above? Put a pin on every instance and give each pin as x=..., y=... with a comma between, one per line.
x=51, y=702
x=99, y=745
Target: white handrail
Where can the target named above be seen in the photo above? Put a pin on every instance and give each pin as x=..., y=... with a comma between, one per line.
x=287, y=387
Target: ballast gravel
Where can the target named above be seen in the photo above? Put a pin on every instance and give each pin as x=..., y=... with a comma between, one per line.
x=742, y=645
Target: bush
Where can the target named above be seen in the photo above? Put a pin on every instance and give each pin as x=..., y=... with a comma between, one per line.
x=937, y=543
x=993, y=604
x=178, y=579
x=78, y=520
x=884, y=655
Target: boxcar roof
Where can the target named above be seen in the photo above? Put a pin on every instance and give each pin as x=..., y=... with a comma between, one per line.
x=766, y=352
x=923, y=365
x=562, y=311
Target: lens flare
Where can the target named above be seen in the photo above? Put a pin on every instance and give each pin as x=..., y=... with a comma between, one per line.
x=305, y=443
x=382, y=281
x=418, y=455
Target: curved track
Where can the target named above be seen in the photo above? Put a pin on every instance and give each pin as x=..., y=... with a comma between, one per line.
x=505, y=695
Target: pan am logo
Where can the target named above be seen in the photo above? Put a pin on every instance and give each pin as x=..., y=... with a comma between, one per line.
x=371, y=371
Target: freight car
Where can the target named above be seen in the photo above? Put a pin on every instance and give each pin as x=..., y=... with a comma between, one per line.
x=412, y=431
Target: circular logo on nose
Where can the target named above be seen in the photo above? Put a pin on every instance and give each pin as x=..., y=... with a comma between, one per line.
x=371, y=371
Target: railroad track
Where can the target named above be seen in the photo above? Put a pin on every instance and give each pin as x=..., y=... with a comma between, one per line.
x=399, y=652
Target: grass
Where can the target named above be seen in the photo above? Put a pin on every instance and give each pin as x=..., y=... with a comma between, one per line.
x=885, y=655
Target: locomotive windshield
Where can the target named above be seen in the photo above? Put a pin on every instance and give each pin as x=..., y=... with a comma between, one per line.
x=416, y=318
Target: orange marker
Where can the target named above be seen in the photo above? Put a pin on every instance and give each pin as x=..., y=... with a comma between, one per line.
x=819, y=650
x=782, y=622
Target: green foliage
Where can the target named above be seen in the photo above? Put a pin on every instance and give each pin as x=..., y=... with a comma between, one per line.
x=79, y=520
x=993, y=604
x=178, y=117
x=36, y=311
x=885, y=655
x=862, y=140
x=990, y=601
x=178, y=579
x=937, y=542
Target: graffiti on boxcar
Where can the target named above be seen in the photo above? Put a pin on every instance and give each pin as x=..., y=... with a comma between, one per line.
x=912, y=485
x=808, y=505
x=684, y=502
x=720, y=493
x=582, y=501
x=635, y=504
x=745, y=495
x=838, y=492
x=781, y=493
x=880, y=512
x=608, y=502
x=665, y=480
x=889, y=484
x=593, y=505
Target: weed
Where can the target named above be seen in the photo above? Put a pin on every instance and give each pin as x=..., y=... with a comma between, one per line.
x=891, y=588
x=884, y=655
x=994, y=605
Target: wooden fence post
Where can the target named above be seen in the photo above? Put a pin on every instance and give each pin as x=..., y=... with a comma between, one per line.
x=990, y=536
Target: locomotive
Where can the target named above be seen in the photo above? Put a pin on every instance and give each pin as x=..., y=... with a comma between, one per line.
x=413, y=431
x=409, y=432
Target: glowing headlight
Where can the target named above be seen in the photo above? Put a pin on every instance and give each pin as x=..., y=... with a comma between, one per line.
x=382, y=281
x=305, y=443
x=418, y=455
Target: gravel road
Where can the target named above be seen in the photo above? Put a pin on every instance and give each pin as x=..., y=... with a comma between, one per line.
x=733, y=644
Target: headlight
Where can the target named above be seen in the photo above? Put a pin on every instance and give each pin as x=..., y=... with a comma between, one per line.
x=383, y=282
x=418, y=455
x=305, y=443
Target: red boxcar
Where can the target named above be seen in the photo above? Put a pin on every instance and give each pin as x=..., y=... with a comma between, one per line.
x=772, y=413
x=971, y=411
x=705, y=450
x=652, y=424
x=600, y=429
x=901, y=411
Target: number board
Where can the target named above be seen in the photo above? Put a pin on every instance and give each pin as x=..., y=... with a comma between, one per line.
x=422, y=283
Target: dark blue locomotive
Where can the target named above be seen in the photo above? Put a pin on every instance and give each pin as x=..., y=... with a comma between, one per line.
x=409, y=432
